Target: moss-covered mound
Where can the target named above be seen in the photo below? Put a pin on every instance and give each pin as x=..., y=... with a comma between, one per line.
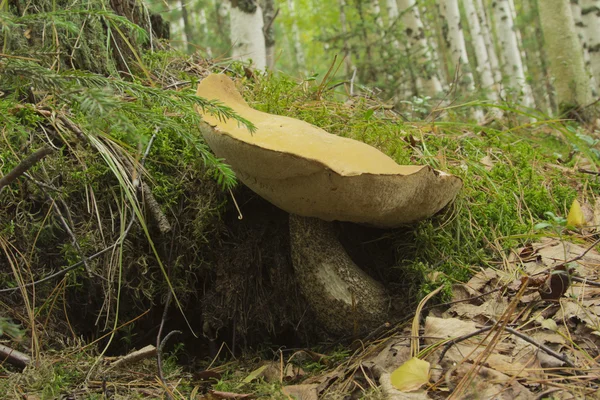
x=128, y=176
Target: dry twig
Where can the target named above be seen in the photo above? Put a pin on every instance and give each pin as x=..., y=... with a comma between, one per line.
x=27, y=163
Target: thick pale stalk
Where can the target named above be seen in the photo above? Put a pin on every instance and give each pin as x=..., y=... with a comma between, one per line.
x=428, y=82
x=247, y=37
x=481, y=54
x=344, y=298
x=566, y=59
x=590, y=14
x=512, y=64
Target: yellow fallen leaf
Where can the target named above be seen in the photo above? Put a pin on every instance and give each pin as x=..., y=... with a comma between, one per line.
x=411, y=375
x=255, y=374
x=576, y=217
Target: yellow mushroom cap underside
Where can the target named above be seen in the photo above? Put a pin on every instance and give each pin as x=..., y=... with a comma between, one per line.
x=307, y=171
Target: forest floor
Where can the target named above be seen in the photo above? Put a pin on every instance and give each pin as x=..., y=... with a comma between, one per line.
x=503, y=286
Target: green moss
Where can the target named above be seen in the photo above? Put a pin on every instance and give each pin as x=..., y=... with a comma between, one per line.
x=496, y=203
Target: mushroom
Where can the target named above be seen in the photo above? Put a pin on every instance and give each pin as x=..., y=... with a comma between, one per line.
x=318, y=177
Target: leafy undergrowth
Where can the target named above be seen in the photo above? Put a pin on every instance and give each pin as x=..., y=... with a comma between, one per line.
x=520, y=178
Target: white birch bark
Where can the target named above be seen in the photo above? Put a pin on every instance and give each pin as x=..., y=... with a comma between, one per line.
x=298, y=50
x=268, y=8
x=182, y=23
x=456, y=43
x=458, y=50
x=590, y=13
x=247, y=39
x=483, y=63
x=512, y=64
x=428, y=82
x=571, y=82
x=392, y=8
x=349, y=68
x=580, y=29
x=484, y=23
x=203, y=23
x=513, y=11
x=377, y=13
x=181, y=27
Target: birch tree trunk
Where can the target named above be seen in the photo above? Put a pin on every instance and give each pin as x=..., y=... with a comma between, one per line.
x=483, y=63
x=486, y=32
x=455, y=40
x=298, y=50
x=204, y=25
x=590, y=14
x=349, y=68
x=428, y=82
x=392, y=8
x=513, y=12
x=269, y=15
x=187, y=27
x=458, y=50
x=377, y=13
x=580, y=29
x=566, y=59
x=512, y=64
x=248, y=42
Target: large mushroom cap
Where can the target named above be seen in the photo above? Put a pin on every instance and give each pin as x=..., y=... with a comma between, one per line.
x=306, y=171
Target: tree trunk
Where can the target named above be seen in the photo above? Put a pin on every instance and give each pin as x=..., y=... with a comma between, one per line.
x=512, y=64
x=298, y=51
x=458, y=50
x=269, y=16
x=580, y=29
x=204, y=24
x=349, y=68
x=428, y=82
x=571, y=82
x=247, y=38
x=481, y=54
x=187, y=27
x=590, y=14
x=484, y=23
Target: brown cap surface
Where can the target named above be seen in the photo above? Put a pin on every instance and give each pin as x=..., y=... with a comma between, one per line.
x=306, y=171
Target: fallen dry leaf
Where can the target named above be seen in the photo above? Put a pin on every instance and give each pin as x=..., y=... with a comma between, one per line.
x=411, y=375
x=575, y=218
x=215, y=394
x=487, y=162
x=302, y=392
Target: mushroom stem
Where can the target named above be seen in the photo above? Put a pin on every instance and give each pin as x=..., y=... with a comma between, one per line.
x=344, y=298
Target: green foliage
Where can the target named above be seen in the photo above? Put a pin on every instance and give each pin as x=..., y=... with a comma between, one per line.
x=7, y=327
x=499, y=204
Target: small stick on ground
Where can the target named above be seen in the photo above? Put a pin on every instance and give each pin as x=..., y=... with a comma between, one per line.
x=145, y=352
x=13, y=357
x=27, y=163
x=526, y=338
x=161, y=343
